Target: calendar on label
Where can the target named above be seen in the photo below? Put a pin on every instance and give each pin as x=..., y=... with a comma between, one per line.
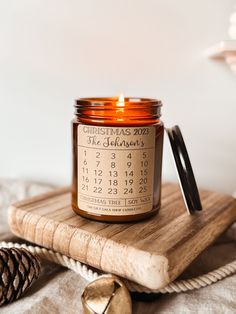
x=115, y=169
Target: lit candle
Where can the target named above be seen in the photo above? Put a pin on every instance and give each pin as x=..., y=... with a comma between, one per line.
x=117, y=156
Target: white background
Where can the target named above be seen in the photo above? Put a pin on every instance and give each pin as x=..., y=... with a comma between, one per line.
x=53, y=51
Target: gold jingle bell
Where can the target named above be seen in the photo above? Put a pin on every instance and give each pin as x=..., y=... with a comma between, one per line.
x=106, y=295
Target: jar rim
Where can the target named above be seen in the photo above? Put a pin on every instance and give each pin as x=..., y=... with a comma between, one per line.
x=108, y=101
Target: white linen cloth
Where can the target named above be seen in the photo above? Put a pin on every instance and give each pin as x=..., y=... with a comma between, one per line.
x=58, y=290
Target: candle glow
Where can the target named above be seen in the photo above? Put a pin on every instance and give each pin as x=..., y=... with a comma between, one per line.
x=121, y=101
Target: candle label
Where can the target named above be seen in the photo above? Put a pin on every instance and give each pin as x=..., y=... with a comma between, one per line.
x=115, y=169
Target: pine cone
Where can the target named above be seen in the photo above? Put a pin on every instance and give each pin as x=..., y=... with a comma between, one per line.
x=18, y=270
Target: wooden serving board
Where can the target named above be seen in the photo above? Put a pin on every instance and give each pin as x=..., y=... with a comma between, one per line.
x=152, y=252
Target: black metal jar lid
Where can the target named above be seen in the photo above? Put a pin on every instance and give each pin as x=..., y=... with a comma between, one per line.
x=184, y=170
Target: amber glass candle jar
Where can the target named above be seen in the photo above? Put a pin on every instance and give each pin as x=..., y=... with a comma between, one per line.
x=117, y=158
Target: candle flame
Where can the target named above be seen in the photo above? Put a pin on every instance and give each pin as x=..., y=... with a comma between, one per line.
x=121, y=101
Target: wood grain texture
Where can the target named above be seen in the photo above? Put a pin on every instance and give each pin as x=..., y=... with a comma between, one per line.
x=152, y=252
